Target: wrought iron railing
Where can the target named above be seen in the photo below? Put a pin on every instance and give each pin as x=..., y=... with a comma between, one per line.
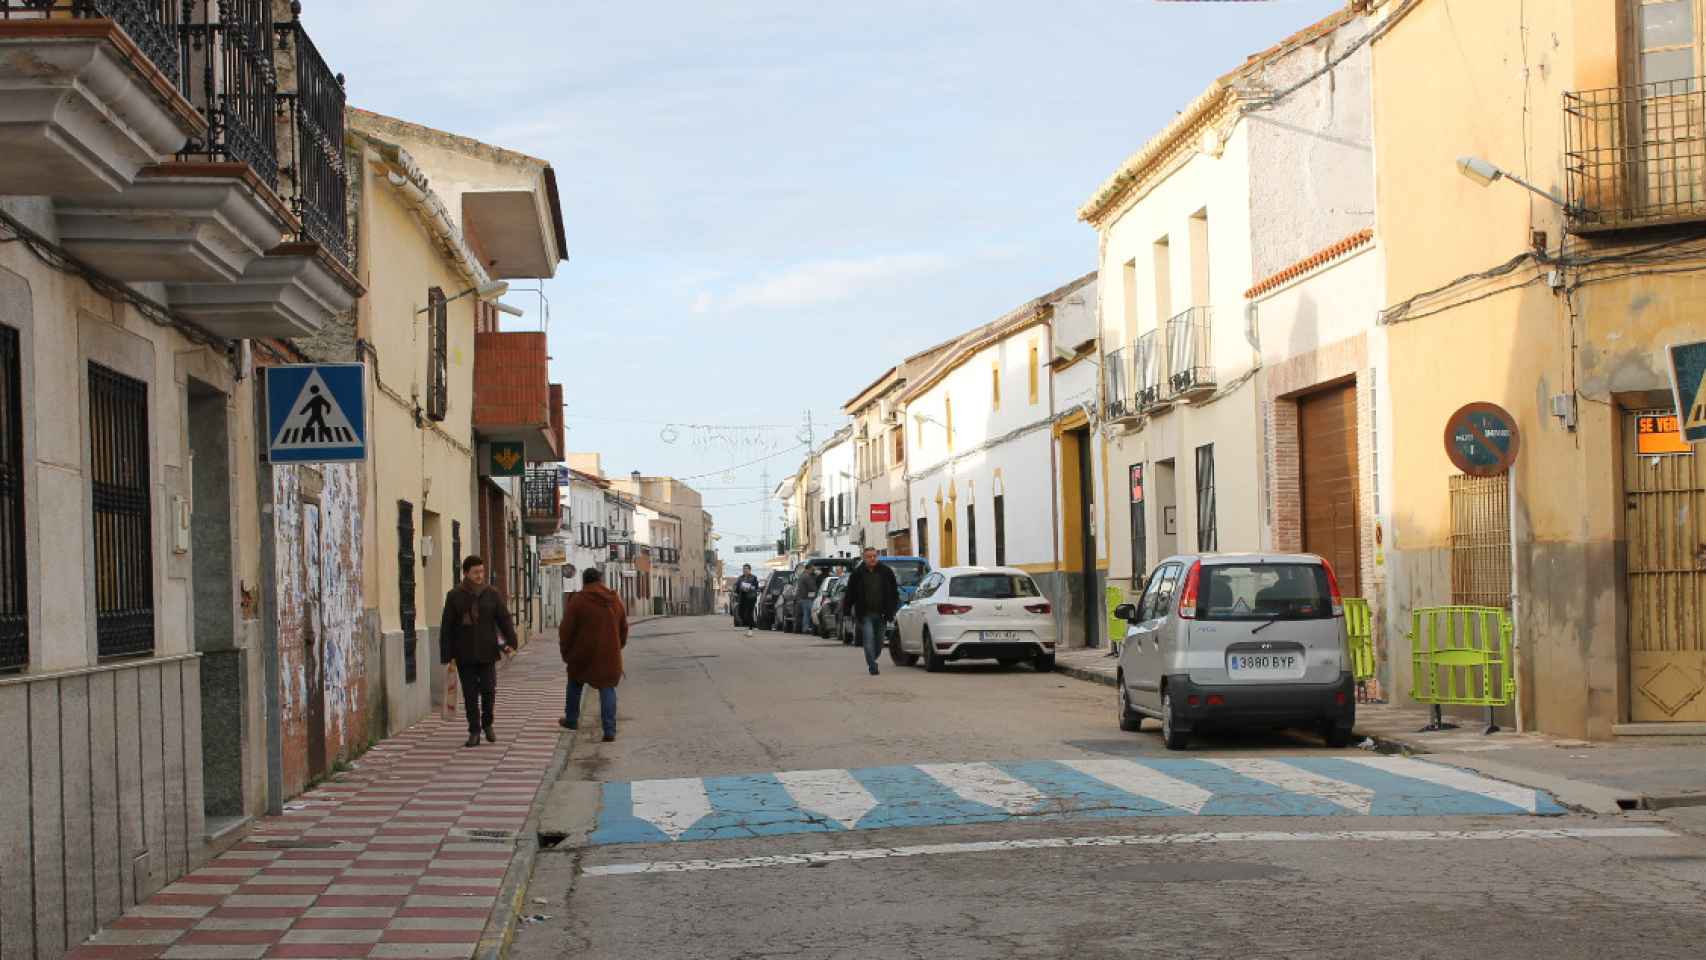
x=1635, y=155
x=539, y=498
x=122, y=502
x=1117, y=377
x=1149, y=387
x=314, y=158
x=150, y=24
x=1190, y=362
x=226, y=58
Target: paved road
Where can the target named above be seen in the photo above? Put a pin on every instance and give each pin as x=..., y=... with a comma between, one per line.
x=767, y=798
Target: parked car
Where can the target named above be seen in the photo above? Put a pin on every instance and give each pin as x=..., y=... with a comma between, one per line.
x=825, y=612
x=1230, y=641
x=976, y=613
x=788, y=609
x=764, y=616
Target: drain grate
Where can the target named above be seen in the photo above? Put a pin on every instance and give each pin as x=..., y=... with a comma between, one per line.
x=481, y=835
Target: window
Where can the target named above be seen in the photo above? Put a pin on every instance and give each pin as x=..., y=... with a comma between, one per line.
x=971, y=534
x=899, y=446
x=123, y=514
x=1199, y=259
x=1129, y=295
x=995, y=385
x=14, y=614
x=1666, y=33
x=1035, y=372
x=906, y=572
x=406, y=585
x=438, y=351
x=456, y=546
x=992, y=586
x=822, y=516
x=1154, y=603
x=948, y=411
x=1269, y=591
x=923, y=537
x=1000, y=531
x=1207, y=539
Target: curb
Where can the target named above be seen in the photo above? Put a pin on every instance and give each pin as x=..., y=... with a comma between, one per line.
x=500, y=923
x=1079, y=673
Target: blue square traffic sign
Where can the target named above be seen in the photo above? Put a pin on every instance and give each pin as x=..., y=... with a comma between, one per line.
x=1688, y=382
x=317, y=413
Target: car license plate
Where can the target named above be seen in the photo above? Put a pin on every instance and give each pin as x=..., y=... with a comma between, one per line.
x=1000, y=636
x=1265, y=666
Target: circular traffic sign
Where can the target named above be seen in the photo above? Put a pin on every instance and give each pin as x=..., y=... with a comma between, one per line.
x=1482, y=439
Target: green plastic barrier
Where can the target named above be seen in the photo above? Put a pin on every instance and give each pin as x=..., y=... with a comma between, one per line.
x=1461, y=656
x=1359, y=630
x=1114, y=596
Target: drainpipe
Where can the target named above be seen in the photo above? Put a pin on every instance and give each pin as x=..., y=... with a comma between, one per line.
x=268, y=587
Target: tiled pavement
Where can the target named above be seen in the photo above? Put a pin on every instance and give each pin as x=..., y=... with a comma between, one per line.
x=376, y=863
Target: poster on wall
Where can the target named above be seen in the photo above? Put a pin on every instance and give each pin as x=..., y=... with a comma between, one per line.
x=553, y=552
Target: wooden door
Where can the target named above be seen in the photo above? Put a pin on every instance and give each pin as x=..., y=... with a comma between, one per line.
x=1327, y=434
x=1664, y=498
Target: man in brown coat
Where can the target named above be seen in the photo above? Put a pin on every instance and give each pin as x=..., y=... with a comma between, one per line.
x=593, y=632
x=475, y=616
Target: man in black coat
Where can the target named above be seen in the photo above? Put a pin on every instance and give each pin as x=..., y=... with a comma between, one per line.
x=873, y=597
x=475, y=615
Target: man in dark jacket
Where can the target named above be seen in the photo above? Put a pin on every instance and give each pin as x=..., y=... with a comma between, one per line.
x=746, y=597
x=873, y=597
x=805, y=588
x=591, y=638
x=475, y=615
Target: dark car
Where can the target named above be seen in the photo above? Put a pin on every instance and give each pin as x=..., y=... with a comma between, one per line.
x=765, y=615
x=788, y=609
x=908, y=571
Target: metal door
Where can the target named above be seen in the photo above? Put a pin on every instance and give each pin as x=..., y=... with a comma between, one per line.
x=1664, y=499
x=313, y=646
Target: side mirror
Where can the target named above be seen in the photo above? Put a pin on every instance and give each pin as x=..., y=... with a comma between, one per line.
x=1126, y=612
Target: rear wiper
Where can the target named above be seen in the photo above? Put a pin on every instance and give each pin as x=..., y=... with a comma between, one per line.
x=1266, y=625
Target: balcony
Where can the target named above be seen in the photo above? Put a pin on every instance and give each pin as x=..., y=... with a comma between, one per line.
x=541, y=507
x=1635, y=156
x=1190, y=360
x=512, y=393
x=1149, y=387
x=1117, y=374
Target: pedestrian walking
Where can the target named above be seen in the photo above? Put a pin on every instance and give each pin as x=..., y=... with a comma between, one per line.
x=746, y=597
x=805, y=588
x=475, y=616
x=873, y=597
x=591, y=637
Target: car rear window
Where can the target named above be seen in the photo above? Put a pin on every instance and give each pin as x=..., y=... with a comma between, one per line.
x=1264, y=591
x=992, y=586
x=907, y=573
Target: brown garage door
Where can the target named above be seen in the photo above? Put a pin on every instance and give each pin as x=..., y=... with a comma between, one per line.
x=1327, y=431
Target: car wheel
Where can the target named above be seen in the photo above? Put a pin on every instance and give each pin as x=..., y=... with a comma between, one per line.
x=1337, y=737
x=1130, y=720
x=933, y=662
x=1171, y=736
x=898, y=653
x=1044, y=663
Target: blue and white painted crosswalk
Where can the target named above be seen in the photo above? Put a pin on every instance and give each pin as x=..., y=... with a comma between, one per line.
x=828, y=801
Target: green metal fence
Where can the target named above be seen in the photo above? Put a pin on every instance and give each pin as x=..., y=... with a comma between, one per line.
x=1359, y=631
x=1461, y=656
x=1114, y=596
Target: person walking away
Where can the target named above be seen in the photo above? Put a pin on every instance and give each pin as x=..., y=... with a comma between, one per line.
x=746, y=597
x=475, y=616
x=591, y=637
x=805, y=588
x=873, y=597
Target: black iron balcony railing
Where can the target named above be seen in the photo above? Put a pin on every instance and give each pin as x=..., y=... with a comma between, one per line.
x=151, y=24
x=1117, y=377
x=540, y=504
x=1190, y=365
x=1635, y=155
x=226, y=58
x=1149, y=387
x=314, y=160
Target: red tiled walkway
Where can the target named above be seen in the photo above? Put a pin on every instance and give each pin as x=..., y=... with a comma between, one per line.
x=365, y=865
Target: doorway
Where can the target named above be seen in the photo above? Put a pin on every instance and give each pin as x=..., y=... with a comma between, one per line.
x=313, y=639
x=1327, y=473
x=215, y=620
x=1166, y=489
x=1664, y=496
x=1078, y=540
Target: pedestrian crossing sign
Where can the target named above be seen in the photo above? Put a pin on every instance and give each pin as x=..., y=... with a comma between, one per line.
x=317, y=413
x=1688, y=382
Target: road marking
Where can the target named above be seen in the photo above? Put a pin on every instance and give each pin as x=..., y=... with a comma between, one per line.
x=1295, y=779
x=1523, y=798
x=832, y=793
x=1131, y=840
x=984, y=783
x=672, y=806
x=1135, y=778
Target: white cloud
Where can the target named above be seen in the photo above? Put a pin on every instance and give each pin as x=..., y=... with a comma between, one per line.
x=825, y=281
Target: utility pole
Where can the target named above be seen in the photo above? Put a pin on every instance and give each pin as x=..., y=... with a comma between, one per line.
x=764, y=511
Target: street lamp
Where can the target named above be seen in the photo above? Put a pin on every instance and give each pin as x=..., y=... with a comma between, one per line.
x=1484, y=172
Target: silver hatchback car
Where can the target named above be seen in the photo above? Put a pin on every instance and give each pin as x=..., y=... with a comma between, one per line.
x=1237, y=640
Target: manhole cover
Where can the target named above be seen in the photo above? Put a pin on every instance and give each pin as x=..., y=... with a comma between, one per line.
x=479, y=835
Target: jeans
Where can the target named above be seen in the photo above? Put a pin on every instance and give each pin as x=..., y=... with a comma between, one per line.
x=479, y=688
x=871, y=630
x=805, y=616
x=606, y=706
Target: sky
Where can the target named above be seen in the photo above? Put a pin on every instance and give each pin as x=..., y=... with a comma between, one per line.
x=768, y=204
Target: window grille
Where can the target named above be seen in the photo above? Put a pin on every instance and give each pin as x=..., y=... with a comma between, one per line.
x=406, y=585
x=1000, y=531
x=123, y=514
x=1481, y=541
x=1208, y=538
x=14, y=610
x=971, y=534
x=438, y=358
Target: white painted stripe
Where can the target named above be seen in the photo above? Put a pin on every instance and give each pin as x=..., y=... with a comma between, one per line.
x=835, y=794
x=672, y=806
x=984, y=783
x=1294, y=779
x=1130, y=840
x=1135, y=778
x=1523, y=798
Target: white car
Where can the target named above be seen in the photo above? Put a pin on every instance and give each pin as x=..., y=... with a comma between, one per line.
x=976, y=613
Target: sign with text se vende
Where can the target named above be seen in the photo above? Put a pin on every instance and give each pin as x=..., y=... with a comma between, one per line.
x=1482, y=439
x=879, y=513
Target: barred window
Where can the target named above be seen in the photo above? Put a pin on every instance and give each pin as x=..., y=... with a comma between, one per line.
x=14, y=611
x=406, y=585
x=438, y=352
x=1208, y=539
x=123, y=514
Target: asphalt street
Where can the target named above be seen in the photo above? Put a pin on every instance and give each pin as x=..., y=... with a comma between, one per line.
x=767, y=798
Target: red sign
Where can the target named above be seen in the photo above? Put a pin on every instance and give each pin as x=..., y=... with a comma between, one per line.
x=879, y=513
x=1137, y=483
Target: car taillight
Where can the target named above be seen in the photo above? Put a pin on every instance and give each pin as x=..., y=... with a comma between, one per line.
x=1333, y=589
x=1188, y=596
x=1039, y=608
x=951, y=609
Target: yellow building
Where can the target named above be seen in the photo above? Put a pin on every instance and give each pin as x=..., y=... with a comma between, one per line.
x=1556, y=304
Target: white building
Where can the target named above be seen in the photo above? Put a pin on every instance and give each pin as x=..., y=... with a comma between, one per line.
x=584, y=517
x=838, y=501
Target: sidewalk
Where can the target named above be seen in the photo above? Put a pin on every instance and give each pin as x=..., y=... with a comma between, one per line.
x=401, y=858
x=1629, y=773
